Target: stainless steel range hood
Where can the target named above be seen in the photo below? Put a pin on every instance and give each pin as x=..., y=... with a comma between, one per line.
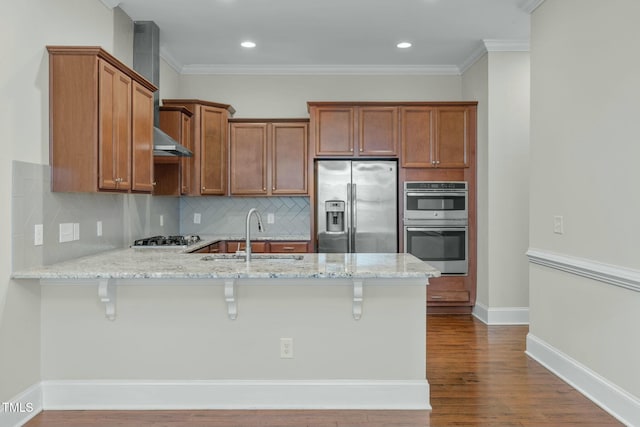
x=146, y=61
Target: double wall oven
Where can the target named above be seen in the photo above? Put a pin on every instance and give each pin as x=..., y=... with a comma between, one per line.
x=436, y=224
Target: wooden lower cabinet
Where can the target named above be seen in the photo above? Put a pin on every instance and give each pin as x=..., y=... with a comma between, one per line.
x=294, y=247
x=257, y=246
x=451, y=294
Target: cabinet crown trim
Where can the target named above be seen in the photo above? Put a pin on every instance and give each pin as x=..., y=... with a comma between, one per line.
x=102, y=54
x=227, y=107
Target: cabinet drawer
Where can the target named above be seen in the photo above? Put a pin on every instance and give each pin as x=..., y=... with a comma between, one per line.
x=298, y=247
x=436, y=296
x=256, y=247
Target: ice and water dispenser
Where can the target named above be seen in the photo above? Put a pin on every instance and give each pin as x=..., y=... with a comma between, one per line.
x=335, y=215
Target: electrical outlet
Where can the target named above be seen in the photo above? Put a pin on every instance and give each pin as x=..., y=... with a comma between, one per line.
x=197, y=218
x=38, y=235
x=66, y=232
x=286, y=348
x=558, y=224
x=271, y=218
x=99, y=228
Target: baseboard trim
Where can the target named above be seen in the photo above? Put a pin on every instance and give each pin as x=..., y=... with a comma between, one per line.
x=236, y=394
x=22, y=408
x=616, y=401
x=501, y=315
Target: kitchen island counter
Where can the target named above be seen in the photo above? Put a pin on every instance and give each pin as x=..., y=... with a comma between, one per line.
x=341, y=331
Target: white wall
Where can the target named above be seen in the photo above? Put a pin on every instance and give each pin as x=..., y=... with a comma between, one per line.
x=508, y=179
x=584, y=166
x=286, y=96
x=27, y=27
x=475, y=86
x=499, y=81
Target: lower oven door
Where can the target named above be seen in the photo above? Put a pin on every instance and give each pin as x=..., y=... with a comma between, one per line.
x=445, y=248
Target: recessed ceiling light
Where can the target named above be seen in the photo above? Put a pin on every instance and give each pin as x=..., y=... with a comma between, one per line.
x=403, y=45
x=248, y=44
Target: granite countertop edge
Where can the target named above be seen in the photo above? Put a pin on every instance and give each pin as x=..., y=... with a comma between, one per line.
x=167, y=264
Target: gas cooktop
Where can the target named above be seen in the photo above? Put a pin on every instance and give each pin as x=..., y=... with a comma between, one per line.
x=166, y=241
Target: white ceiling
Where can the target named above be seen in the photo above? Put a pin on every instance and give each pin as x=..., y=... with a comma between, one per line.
x=344, y=36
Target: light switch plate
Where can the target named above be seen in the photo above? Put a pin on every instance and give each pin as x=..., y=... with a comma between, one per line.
x=271, y=218
x=197, y=218
x=99, y=228
x=558, y=224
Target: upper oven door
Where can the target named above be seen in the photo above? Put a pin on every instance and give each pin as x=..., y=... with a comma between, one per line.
x=435, y=205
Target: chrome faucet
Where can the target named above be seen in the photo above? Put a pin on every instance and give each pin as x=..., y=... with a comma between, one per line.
x=260, y=229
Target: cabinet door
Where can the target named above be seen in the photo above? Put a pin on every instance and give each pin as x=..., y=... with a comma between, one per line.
x=248, y=158
x=289, y=158
x=378, y=131
x=452, y=148
x=142, y=141
x=334, y=132
x=114, y=128
x=213, y=150
x=186, y=163
x=416, y=137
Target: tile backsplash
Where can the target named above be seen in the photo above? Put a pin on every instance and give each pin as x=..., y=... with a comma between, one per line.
x=227, y=215
x=126, y=217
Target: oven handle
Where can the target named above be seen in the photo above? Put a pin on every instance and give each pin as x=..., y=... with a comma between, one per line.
x=438, y=193
x=436, y=228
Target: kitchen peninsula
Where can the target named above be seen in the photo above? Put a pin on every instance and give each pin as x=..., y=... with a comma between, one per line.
x=214, y=331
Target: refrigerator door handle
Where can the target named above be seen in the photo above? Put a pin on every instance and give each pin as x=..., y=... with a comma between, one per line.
x=349, y=218
x=354, y=222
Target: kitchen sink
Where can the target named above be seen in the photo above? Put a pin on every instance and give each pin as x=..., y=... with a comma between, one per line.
x=254, y=257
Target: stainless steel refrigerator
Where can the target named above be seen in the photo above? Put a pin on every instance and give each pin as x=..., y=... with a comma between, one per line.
x=357, y=206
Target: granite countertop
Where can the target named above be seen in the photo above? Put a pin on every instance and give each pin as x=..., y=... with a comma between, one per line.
x=172, y=264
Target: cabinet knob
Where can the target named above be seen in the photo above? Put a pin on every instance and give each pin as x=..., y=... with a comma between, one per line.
x=351, y=149
x=203, y=188
x=154, y=183
x=273, y=188
x=437, y=162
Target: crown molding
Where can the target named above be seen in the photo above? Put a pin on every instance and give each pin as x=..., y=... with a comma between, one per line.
x=530, y=5
x=493, y=45
x=169, y=59
x=322, y=69
x=110, y=4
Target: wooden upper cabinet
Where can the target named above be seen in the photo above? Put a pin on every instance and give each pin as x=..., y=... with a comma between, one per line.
x=248, y=160
x=114, y=122
x=378, y=131
x=354, y=129
x=173, y=174
x=417, y=136
x=289, y=142
x=437, y=136
x=208, y=166
x=333, y=130
x=452, y=136
x=142, y=139
x=268, y=157
x=100, y=122
x=213, y=150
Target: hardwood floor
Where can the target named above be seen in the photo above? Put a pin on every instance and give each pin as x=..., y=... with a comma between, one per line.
x=479, y=376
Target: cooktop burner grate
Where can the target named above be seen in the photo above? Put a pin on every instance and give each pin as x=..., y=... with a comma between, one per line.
x=170, y=241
